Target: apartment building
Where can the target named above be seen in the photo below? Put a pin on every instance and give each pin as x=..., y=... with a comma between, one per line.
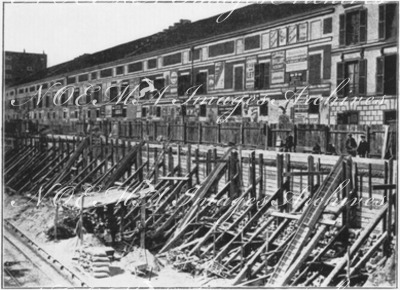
x=261, y=52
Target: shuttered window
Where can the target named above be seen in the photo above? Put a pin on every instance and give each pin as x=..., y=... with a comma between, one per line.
x=315, y=69
x=83, y=78
x=328, y=25
x=119, y=70
x=201, y=79
x=353, y=27
x=228, y=75
x=152, y=63
x=238, y=78
x=71, y=80
x=387, y=21
x=386, y=75
x=261, y=76
x=184, y=82
x=356, y=73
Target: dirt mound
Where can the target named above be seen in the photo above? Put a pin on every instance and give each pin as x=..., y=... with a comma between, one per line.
x=140, y=257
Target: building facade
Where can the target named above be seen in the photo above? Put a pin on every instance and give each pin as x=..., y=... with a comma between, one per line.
x=246, y=67
x=19, y=65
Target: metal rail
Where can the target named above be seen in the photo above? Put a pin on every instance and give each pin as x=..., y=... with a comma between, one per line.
x=64, y=271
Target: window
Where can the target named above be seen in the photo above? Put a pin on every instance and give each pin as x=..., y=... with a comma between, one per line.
x=348, y=118
x=353, y=27
x=387, y=21
x=356, y=72
x=83, y=78
x=44, y=86
x=282, y=36
x=389, y=117
x=313, y=106
x=172, y=59
x=113, y=92
x=97, y=93
x=221, y=48
x=316, y=29
x=32, y=89
x=386, y=75
x=106, y=73
x=119, y=70
x=262, y=76
x=152, y=63
x=76, y=95
x=64, y=99
x=196, y=54
x=134, y=67
x=237, y=111
x=144, y=112
x=314, y=69
x=292, y=34
x=61, y=81
x=159, y=84
x=20, y=91
x=252, y=42
x=238, y=77
x=203, y=111
x=71, y=80
x=158, y=112
x=201, y=79
x=93, y=75
x=184, y=83
x=125, y=86
x=328, y=25
x=264, y=109
x=296, y=78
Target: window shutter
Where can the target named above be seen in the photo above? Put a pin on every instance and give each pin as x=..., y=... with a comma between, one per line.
x=228, y=76
x=363, y=25
x=266, y=75
x=363, y=77
x=380, y=63
x=315, y=69
x=257, y=76
x=340, y=77
x=382, y=21
x=342, y=30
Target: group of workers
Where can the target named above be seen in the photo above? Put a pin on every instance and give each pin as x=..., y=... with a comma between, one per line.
x=361, y=150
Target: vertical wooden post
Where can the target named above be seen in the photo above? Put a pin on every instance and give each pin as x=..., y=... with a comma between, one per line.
x=327, y=138
x=155, y=166
x=253, y=175
x=266, y=136
x=218, y=133
x=319, y=170
x=148, y=156
x=179, y=160
x=369, y=139
x=164, y=167
x=185, y=133
x=143, y=220
x=261, y=174
x=311, y=177
x=233, y=188
x=189, y=164
x=242, y=134
x=139, y=163
x=294, y=137
x=385, y=196
x=370, y=184
x=200, y=131
x=81, y=219
x=208, y=162
x=279, y=174
x=196, y=156
x=289, y=194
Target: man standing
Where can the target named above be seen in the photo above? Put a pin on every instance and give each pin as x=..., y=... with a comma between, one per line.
x=363, y=147
x=351, y=145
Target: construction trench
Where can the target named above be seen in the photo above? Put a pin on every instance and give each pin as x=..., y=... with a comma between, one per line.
x=242, y=217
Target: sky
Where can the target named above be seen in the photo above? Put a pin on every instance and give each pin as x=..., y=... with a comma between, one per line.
x=67, y=30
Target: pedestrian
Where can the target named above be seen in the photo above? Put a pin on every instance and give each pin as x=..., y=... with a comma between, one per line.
x=289, y=143
x=363, y=147
x=351, y=145
x=316, y=149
